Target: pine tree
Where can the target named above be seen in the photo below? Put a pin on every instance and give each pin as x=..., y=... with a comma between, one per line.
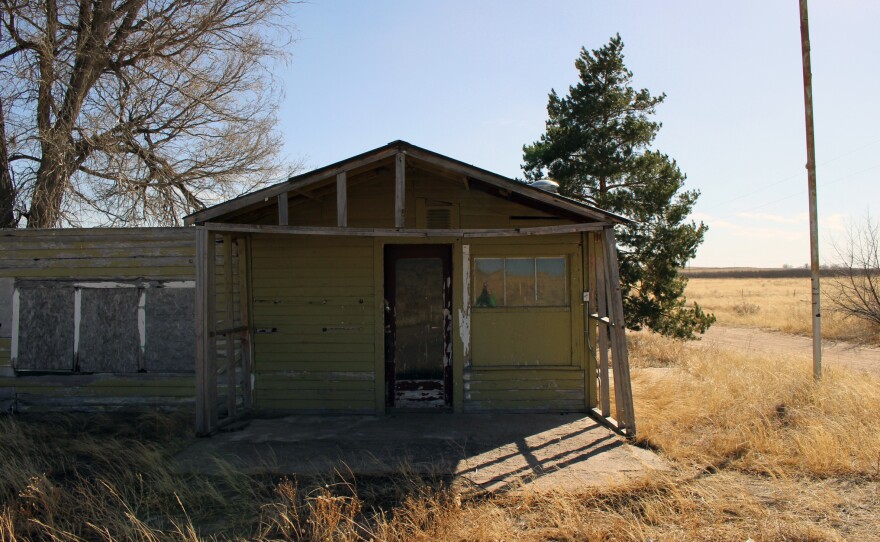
x=597, y=146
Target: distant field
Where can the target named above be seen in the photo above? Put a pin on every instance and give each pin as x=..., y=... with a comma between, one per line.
x=781, y=304
x=747, y=272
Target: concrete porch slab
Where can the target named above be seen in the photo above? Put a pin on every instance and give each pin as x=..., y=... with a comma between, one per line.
x=482, y=451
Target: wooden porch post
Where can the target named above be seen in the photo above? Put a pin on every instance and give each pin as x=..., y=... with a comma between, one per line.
x=244, y=307
x=603, y=323
x=282, y=209
x=399, y=190
x=206, y=372
x=341, y=200
x=229, y=338
x=622, y=383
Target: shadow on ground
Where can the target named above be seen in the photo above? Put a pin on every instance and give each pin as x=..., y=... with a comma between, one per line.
x=483, y=452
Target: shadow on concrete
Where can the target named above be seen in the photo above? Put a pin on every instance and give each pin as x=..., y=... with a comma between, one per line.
x=476, y=452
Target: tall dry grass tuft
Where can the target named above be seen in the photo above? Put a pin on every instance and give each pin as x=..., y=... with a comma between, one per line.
x=763, y=414
x=73, y=477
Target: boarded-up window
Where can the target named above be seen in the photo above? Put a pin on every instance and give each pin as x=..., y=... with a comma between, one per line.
x=108, y=330
x=520, y=282
x=101, y=328
x=170, y=330
x=6, y=307
x=45, y=329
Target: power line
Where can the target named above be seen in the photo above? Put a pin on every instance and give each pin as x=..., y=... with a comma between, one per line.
x=801, y=192
x=792, y=176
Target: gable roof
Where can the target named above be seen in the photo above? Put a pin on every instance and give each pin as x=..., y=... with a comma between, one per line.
x=418, y=154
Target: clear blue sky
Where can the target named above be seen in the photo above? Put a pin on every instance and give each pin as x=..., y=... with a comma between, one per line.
x=470, y=79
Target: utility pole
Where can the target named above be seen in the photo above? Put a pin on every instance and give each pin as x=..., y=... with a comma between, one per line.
x=811, y=182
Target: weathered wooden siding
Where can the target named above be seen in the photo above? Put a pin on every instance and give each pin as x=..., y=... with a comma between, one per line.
x=130, y=253
x=65, y=258
x=524, y=388
x=313, y=310
x=528, y=358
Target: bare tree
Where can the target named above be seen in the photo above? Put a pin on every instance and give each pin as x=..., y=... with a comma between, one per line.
x=856, y=291
x=130, y=112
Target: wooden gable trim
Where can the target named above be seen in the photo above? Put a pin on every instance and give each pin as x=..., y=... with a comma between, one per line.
x=475, y=173
x=398, y=150
x=292, y=184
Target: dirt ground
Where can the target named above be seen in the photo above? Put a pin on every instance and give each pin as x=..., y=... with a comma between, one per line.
x=754, y=340
x=483, y=452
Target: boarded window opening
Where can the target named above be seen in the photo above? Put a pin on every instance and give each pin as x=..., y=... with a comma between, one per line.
x=104, y=327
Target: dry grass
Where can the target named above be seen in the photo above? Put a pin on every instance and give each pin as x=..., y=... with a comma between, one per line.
x=756, y=414
x=759, y=450
x=781, y=304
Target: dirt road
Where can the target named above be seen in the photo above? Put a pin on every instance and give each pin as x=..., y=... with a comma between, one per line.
x=760, y=341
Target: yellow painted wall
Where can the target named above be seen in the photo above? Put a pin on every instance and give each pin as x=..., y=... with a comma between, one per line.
x=528, y=358
x=313, y=309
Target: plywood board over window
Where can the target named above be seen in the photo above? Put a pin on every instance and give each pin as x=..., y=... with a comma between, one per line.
x=108, y=330
x=104, y=327
x=45, y=329
x=170, y=332
x=6, y=287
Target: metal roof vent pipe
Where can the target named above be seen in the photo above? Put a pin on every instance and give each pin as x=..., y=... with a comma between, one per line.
x=547, y=185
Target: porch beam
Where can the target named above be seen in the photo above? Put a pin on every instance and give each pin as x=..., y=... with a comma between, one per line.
x=400, y=190
x=387, y=232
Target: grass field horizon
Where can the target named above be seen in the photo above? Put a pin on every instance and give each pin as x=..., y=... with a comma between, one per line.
x=777, y=303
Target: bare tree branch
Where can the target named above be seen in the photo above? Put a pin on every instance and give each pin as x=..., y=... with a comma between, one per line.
x=857, y=291
x=135, y=111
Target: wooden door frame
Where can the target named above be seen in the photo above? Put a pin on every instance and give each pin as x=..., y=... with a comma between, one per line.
x=392, y=253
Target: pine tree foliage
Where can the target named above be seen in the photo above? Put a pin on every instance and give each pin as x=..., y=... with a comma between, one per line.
x=597, y=146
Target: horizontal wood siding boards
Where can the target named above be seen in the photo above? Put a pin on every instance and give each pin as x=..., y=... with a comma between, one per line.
x=47, y=392
x=313, y=312
x=5, y=352
x=558, y=405
x=525, y=388
x=98, y=253
x=287, y=403
x=524, y=374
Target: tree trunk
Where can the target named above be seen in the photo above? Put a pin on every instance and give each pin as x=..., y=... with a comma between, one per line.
x=53, y=177
x=7, y=189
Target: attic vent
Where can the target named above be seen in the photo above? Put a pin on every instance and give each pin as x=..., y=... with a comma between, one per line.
x=438, y=218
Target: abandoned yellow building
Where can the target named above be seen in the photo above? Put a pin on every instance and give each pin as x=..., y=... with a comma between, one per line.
x=396, y=279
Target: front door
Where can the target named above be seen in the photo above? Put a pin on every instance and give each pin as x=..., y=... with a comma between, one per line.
x=418, y=326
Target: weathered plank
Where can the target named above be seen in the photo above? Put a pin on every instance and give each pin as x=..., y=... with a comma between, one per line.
x=341, y=200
